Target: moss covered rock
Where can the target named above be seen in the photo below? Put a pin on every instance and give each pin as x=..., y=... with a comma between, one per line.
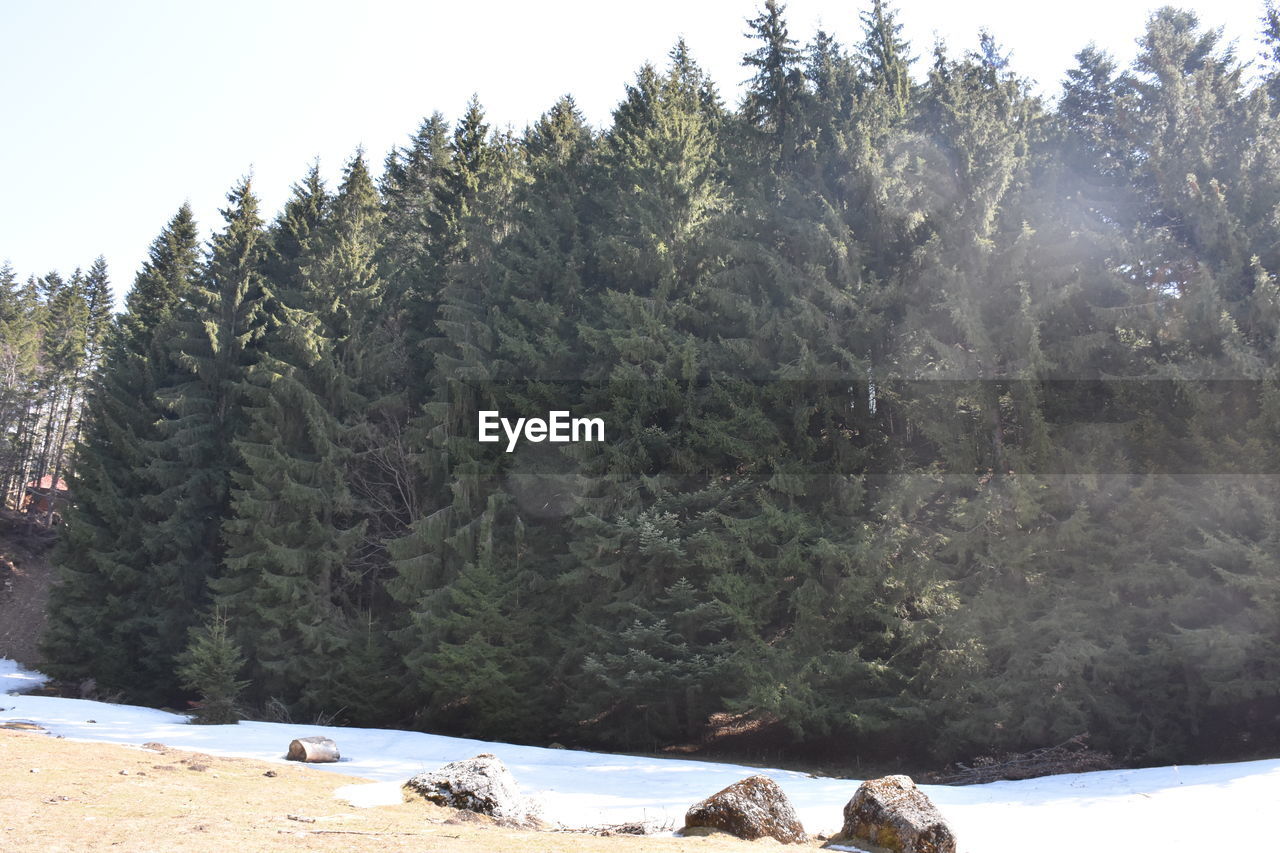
x=893, y=814
x=753, y=808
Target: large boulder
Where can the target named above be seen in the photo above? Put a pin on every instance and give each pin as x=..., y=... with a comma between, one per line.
x=753, y=808
x=894, y=814
x=482, y=784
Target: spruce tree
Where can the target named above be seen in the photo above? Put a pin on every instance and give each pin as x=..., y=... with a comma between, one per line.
x=215, y=340
x=650, y=251
x=886, y=57
x=210, y=666
x=292, y=582
x=460, y=478
x=100, y=613
x=19, y=369
x=775, y=94
x=1271, y=53
x=664, y=669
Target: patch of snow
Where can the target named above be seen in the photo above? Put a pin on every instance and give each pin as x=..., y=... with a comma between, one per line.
x=1115, y=811
x=372, y=794
x=15, y=679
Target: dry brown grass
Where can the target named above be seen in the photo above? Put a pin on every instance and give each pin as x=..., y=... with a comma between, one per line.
x=60, y=795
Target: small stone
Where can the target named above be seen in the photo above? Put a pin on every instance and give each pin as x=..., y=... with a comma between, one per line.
x=271, y=773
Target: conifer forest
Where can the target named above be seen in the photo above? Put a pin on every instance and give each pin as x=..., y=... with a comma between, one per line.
x=940, y=416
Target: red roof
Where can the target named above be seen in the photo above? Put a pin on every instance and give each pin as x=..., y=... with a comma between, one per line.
x=46, y=481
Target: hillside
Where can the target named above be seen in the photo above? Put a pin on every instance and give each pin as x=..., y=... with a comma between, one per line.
x=25, y=578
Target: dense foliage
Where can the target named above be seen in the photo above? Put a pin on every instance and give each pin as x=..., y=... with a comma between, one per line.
x=938, y=420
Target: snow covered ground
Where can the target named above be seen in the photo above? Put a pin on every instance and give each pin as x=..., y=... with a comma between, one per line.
x=1216, y=806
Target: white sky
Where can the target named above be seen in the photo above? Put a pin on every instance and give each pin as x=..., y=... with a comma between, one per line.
x=114, y=113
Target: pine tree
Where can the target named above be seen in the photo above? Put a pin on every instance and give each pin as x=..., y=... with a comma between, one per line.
x=295, y=231
x=543, y=261
x=292, y=581
x=19, y=372
x=410, y=184
x=459, y=477
x=97, y=298
x=834, y=89
x=99, y=615
x=482, y=670
x=64, y=342
x=881, y=171
x=775, y=95
x=1090, y=112
x=542, y=264
x=662, y=670
x=210, y=665
x=886, y=57
x=650, y=250
x=215, y=340
x=1271, y=53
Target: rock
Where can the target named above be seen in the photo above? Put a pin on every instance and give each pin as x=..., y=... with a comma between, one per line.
x=894, y=814
x=753, y=808
x=482, y=784
x=313, y=750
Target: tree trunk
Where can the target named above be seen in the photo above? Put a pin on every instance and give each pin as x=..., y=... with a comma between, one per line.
x=60, y=455
x=314, y=750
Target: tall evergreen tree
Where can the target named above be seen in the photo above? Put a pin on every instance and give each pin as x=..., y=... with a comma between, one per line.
x=660, y=189
x=775, y=94
x=19, y=372
x=293, y=582
x=886, y=56
x=215, y=341
x=455, y=526
x=1271, y=53
x=98, y=612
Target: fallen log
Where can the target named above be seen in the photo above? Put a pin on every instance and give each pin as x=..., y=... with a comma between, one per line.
x=1071, y=756
x=313, y=750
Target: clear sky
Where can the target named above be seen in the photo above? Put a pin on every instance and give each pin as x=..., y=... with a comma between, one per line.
x=114, y=113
